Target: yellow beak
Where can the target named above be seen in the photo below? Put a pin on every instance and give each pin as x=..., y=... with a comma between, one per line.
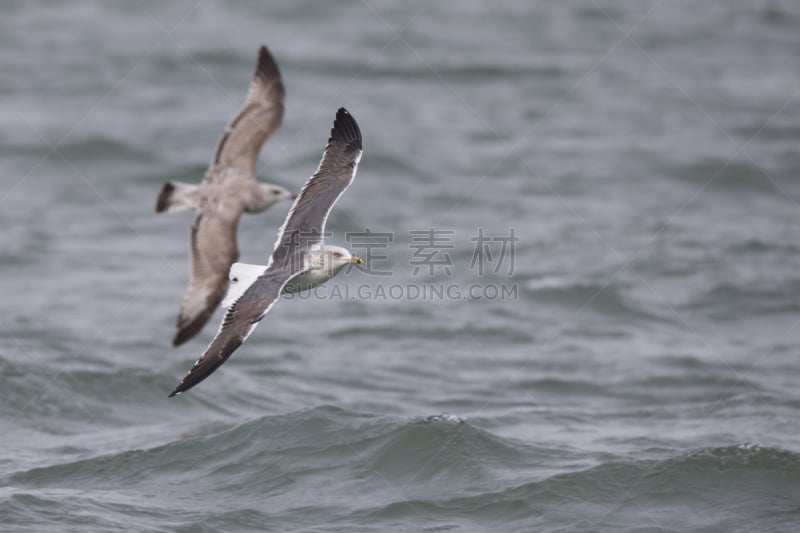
x=356, y=260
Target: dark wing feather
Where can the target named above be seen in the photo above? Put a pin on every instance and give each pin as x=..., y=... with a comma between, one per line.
x=305, y=223
x=260, y=116
x=240, y=320
x=214, y=250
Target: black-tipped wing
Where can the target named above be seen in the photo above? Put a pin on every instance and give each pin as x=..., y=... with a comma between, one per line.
x=304, y=226
x=305, y=223
x=260, y=116
x=240, y=320
x=214, y=250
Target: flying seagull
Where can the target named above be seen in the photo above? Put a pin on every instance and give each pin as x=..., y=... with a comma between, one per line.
x=300, y=260
x=228, y=189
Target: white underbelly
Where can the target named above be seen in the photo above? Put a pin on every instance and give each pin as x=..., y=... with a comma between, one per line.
x=242, y=275
x=304, y=281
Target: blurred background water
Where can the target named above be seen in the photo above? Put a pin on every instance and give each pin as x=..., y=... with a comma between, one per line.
x=641, y=375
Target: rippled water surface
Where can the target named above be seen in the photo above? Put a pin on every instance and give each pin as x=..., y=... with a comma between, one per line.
x=639, y=373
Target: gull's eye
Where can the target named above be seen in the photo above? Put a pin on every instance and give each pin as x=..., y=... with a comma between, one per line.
x=276, y=192
x=337, y=254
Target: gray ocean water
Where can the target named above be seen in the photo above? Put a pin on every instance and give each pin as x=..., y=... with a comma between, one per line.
x=590, y=316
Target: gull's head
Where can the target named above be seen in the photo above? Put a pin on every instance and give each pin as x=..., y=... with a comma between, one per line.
x=335, y=258
x=269, y=194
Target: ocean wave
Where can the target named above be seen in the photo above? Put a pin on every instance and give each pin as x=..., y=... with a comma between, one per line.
x=590, y=499
x=319, y=438
x=438, y=469
x=105, y=149
x=441, y=333
x=743, y=456
x=723, y=175
x=761, y=246
x=606, y=299
x=473, y=72
x=727, y=300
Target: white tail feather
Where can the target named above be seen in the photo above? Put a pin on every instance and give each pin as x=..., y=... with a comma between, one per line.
x=241, y=276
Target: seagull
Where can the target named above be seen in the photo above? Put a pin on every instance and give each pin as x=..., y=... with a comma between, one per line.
x=300, y=260
x=228, y=189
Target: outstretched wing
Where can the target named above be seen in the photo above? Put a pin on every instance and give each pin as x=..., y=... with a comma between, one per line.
x=306, y=219
x=213, y=250
x=305, y=223
x=260, y=116
x=240, y=320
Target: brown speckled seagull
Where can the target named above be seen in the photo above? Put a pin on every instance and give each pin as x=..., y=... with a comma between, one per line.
x=228, y=189
x=300, y=260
